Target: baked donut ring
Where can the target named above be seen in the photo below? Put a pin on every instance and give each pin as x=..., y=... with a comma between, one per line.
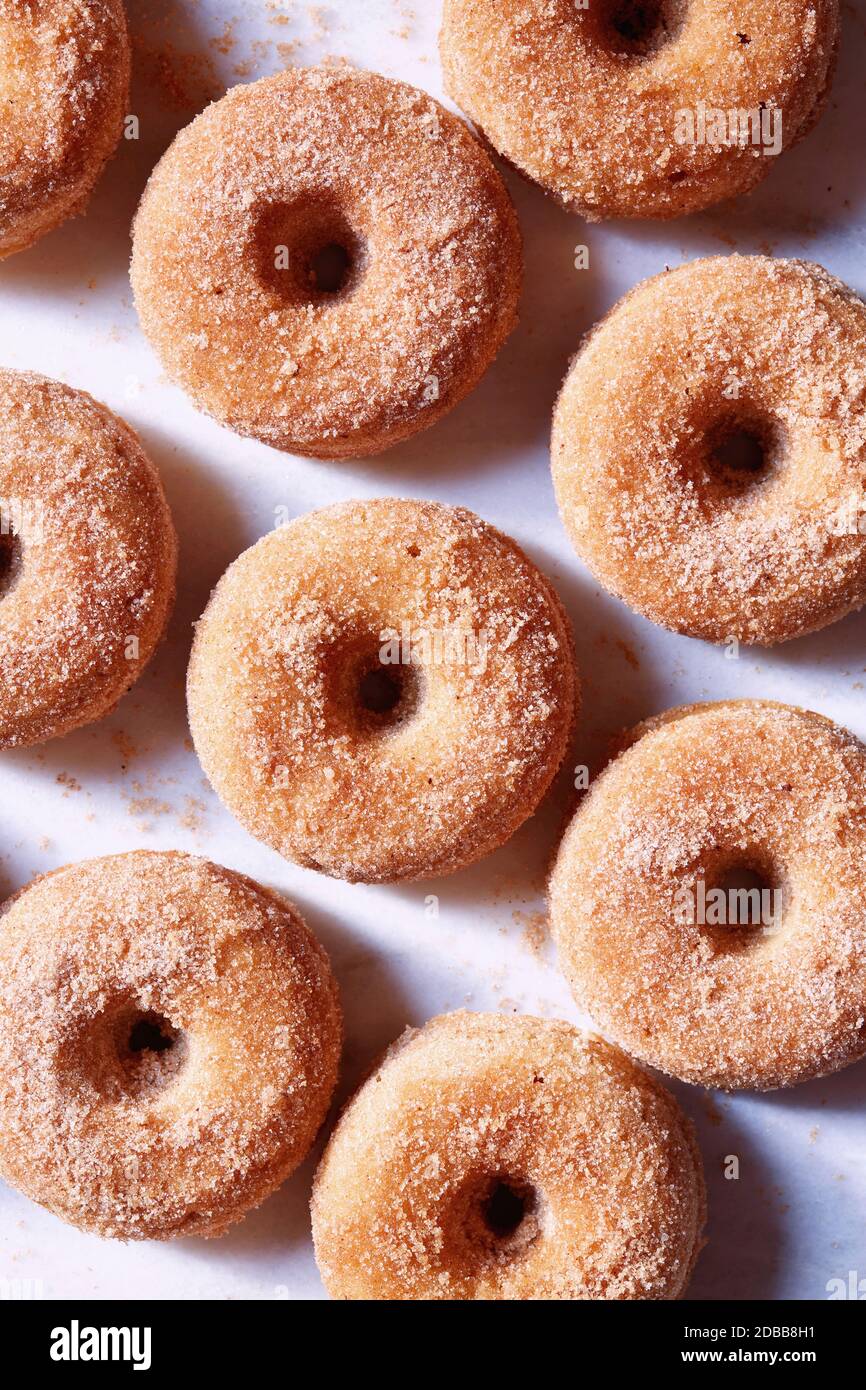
x=497, y=1157
x=88, y=556
x=654, y=934
x=382, y=690
x=169, y=1042
x=326, y=260
x=65, y=70
x=641, y=108
x=709, y=449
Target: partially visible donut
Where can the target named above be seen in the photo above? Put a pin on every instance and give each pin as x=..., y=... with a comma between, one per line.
x=65, y=67
x=169, y=1042
x=326, y=260
x=709, y=449
x=741, y=797
x=383, y=690
x=496, y=1157
x=641, y=108
x=88, y=556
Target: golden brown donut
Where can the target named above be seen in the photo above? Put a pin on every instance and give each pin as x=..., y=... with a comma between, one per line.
x=382, y=690
x=497, y=1157
x=88, y=556
x=706, y=798
x=641, y=108
x=65, y=70
x=326, y=260
x=709, y=449
x=169, y=1042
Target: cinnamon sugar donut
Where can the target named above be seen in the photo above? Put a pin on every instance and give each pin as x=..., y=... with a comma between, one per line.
x=382, y=690
x=709, y=449
x=169, y=1041
x=659, y=943
x=641, y=108
x=88, y=555
x=65, y=88
x=326, y=260
x=496, y=1157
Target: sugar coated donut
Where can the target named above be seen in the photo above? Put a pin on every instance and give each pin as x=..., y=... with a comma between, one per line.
x=709, y=898
x=382, y=690
x=326, y=260
x=709, y=449
x=65, y=67
x=88, y=556
x=169, y=1042
x=641, y=108
x=497, y=1157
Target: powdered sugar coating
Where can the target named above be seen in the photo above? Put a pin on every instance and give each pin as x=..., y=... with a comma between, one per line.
x=606, y=1157
x=741, y=783
x=89, y=559
x=64, y=78
x=595, y=119
x=159, y=1144
x=282, y=648
x=281, y=168
x=777, y=346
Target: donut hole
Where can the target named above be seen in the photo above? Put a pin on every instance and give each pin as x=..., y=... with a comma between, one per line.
x=330, y=268
x=150, y=1033
x=379, y=691
x=506, y=1207
x=491, y=1217
x=742, y=452
x=505, y=1215
x=10, y=561
x=307, y=253
x=640, y=27
x=742, y=902
x=125, y=1052
x=386, y=695
x=373, y=687
x=150, y=1050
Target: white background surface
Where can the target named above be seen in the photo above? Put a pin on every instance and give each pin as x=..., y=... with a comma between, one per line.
x=796, y=1218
